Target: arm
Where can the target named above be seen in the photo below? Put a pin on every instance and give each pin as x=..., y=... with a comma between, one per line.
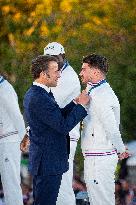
x=50, y=114
x=68, y=108
x=106, y=115
x=25, y=143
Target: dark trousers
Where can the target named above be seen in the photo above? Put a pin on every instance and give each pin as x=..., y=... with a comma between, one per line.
x=46, y=189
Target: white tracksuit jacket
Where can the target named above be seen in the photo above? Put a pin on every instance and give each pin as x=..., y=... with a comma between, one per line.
x=67, y=89
x=11, y=119
x=12, y=130
x=100, y=141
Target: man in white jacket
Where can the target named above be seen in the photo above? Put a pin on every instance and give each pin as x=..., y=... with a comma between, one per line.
x=12, y=130
x=67, y=89
x=101, y=140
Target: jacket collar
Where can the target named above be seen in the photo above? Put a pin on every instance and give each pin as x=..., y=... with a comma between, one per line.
x=42, y=86
x=1, y=79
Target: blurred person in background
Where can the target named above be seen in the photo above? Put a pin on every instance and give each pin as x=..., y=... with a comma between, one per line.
x=126, y=192
x=27, y=194
x=78, y=185
x=12, y=130
x=133, y=199
x=118, y=193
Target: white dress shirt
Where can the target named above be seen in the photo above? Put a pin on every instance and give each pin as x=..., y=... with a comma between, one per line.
x=42, y=86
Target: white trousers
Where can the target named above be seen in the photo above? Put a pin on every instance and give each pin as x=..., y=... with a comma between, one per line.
x=66, y=194
x=99, y=175
x=10, y=156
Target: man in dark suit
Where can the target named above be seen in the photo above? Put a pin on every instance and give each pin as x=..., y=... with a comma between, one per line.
x=49, y=127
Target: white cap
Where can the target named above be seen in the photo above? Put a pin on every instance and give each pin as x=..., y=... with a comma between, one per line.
x=54, y=48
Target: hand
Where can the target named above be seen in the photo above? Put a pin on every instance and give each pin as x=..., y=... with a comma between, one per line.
x=25, y=143
x=83, y=98
x=124, y=155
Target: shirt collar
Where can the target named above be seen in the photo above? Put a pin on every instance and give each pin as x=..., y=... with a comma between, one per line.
x=42, y=86
x=90, y=84
x=1, y=79
x=65, y=65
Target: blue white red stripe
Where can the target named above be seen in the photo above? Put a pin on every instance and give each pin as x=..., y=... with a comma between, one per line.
x=8, y=134
x=73, y=139
x=1, y=79
x=95, y=85
x=66, y=64
x=89, y=154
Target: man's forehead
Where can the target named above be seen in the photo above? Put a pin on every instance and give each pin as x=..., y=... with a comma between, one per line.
x=85, y=65
x=53, y=65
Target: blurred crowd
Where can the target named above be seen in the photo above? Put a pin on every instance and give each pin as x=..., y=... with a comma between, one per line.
x=125, y=193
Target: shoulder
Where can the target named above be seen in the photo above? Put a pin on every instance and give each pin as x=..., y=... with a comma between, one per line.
x=37, y=97
x=72, y=71
x=7, y=91
x=104, y=95
x=6, y=86
x=36, y=92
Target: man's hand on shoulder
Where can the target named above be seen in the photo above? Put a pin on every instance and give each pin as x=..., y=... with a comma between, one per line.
x=25, y=143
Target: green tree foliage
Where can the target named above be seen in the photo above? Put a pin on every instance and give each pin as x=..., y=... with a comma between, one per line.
x=106, y=27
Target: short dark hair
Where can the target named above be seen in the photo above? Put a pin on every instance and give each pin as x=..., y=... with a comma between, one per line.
x=41, y=63
x=98, y=61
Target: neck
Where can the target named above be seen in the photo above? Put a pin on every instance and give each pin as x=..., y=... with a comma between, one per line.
x=98, y=79
x=42, y=82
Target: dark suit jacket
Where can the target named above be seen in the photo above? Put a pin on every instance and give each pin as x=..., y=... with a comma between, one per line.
x=49, y=127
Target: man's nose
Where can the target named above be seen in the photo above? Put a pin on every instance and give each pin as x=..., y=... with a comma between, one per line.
x=80, y=74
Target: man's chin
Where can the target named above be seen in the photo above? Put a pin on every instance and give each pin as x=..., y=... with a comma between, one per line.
x=55, y=84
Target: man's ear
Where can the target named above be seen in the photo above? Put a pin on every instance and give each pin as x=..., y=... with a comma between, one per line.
x=42, y=74
x=97, y=71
